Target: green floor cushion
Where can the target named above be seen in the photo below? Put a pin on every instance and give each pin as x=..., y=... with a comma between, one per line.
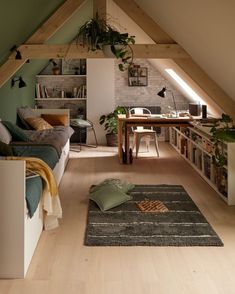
x=108, y=196
x=122, y=185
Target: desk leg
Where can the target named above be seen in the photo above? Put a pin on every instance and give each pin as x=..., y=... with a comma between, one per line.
x=120, y=124
x=127, y=145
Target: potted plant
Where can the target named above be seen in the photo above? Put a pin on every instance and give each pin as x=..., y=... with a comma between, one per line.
x=110, y=122
x=96, y=34
x=224, y=131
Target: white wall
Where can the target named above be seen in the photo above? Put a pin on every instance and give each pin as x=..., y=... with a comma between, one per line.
x=100, y=91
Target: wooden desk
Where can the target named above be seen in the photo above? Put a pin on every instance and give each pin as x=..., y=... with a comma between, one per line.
x=125, y=123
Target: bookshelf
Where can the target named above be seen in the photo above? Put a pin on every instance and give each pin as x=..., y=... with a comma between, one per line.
x=196, y=147
x=65, y=87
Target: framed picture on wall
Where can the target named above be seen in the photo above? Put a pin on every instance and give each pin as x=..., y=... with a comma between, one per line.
x=138, y=76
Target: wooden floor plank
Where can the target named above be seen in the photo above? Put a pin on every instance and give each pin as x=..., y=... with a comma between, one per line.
x=61, y=264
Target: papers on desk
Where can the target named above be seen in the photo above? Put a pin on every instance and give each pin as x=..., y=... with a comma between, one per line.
x=147, y=115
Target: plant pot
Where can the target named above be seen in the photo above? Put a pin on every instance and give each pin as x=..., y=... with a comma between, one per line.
x=112, y=140
x=108, y=52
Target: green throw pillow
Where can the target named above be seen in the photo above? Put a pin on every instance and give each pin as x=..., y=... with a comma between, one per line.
x=17, y=133
x=121, y=185
x=5, y=149
x=109, y=196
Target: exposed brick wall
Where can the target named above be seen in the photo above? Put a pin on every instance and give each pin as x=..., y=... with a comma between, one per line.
x=146, y=96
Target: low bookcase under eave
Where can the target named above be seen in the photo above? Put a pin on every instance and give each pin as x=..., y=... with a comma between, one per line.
x=196, y=147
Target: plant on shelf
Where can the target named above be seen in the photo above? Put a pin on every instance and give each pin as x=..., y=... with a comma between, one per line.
x=224, y=131
x=96, y=34
x=110, y=122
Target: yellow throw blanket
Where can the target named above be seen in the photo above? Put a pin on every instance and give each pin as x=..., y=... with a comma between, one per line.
x=51, y=201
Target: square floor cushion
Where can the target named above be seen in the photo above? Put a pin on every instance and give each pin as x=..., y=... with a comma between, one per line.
x=108, y=196
x=122, y=185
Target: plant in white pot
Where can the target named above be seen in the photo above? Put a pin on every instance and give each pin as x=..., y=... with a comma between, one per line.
x=110, y=122
x=96, y=34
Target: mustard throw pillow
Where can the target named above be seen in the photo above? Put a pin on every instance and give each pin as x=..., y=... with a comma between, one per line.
x=38, y=123
x=56, y=119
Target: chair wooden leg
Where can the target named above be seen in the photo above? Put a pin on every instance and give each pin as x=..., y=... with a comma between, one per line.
x=147, y=140
x=134, y=142
x=138, y=137
x=156, y=144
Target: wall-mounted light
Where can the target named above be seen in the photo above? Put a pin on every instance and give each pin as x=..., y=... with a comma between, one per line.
x=18, y=54
x=22, y=83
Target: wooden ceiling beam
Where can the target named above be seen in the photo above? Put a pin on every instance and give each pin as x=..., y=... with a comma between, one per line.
x=197, y=74
x=47, y=30
x=45, y=51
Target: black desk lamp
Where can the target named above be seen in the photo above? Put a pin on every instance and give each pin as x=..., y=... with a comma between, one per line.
x=162, y=94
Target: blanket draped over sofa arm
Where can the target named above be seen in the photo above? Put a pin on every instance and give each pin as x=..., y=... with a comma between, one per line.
x=50, y=198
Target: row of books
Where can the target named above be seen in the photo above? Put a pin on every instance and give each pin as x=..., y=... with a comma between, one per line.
x=41, y=91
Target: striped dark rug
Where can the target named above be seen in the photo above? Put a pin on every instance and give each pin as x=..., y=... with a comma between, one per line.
x=126, y=225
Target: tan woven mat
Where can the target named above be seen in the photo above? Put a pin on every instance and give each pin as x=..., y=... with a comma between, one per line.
x=152, y=206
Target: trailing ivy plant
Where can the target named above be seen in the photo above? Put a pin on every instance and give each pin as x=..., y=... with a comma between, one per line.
x=222, y=132
x=96, y=33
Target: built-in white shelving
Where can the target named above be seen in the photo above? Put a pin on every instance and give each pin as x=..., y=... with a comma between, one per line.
x=196, y=147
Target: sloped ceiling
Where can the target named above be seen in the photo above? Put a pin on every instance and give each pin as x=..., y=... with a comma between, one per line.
x=205, y=29
x=124, y=23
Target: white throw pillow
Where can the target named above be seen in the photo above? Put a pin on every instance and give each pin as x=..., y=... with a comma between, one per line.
x=5, y=135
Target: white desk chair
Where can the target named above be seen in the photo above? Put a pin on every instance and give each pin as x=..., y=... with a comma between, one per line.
x=141, y=132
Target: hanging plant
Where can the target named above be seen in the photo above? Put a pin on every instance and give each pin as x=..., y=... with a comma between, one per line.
x=96, y=34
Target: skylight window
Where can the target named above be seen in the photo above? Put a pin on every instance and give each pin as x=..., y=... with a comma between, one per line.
x=184, y=85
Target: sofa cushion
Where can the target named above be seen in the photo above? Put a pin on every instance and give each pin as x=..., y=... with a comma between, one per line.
x=23, y=113
x=108, y=196
x=5, y=135
x=56, y=119
x=17, y=133
x=38, y=123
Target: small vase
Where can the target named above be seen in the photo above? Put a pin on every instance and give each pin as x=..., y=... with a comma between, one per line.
x=56, y=70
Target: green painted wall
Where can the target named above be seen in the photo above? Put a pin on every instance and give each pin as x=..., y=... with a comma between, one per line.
x=18, y=20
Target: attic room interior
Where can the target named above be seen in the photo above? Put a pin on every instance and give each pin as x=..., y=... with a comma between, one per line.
x=117, y=168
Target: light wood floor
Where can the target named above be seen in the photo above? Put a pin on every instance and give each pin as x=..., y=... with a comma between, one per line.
x=62, y=265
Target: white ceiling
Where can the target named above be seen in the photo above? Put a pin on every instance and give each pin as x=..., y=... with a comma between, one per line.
x=205, y=29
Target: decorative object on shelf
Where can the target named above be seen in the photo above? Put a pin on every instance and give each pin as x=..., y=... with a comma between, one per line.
x=137, y=76
x=22, y=83
x=195, y=109
x=18, y=54
x=71, y=66
x=55, y=68
x=162, y=94
x=110, y=125
x=204, y=111
x=96, y=34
